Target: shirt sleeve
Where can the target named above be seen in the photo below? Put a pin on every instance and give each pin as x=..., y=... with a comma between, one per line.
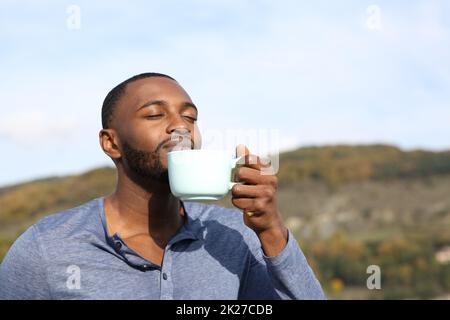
x=23, y=272
x=284, y=276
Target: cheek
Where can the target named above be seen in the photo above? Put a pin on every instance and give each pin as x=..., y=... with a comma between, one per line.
x=163, y=157
x=146, y=140
x=146, y=144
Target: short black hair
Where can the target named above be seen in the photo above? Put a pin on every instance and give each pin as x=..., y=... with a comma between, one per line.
x=111, y=99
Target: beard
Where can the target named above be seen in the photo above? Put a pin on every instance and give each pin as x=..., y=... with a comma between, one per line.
x=144, y=164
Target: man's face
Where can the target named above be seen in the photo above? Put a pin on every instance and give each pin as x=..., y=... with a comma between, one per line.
x=148, y=115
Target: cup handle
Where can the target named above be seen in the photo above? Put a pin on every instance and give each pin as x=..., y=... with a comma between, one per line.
x=234, y=162
x=233, y=183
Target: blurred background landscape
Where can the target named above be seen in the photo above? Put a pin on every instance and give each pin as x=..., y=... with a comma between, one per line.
x=348, y=206
x=358, y=92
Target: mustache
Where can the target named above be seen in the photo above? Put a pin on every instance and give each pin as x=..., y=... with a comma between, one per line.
x=162, y=143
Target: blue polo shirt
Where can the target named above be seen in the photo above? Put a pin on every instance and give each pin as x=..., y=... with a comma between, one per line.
x=214, y=255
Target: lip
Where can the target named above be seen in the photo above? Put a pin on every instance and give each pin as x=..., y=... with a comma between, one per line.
x=171, y=145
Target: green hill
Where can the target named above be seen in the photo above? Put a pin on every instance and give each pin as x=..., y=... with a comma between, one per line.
x=336, y=165
x=348, y=206
x=332, y=165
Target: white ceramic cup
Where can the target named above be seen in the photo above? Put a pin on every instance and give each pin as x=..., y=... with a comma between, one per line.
x=200, y=174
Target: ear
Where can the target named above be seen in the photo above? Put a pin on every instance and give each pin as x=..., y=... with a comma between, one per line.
x=109, y=142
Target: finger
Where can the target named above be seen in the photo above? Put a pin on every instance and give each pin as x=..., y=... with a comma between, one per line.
x=253, y=176
x=247, y=205
x=255, y=162
x=251, y=191
x=247, y=175
x=251, y=160
x=242, y=150
x=243, y=203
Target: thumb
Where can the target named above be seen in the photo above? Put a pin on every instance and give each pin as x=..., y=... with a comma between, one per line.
x=242, y=150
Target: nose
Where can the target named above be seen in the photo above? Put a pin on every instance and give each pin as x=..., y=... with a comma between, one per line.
x=181, y=134
x=178, y=125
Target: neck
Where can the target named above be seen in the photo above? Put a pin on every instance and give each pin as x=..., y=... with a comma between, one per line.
x=152, y=210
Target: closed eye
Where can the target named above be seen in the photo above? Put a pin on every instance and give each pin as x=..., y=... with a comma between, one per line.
x=154, y=116
x=191, y=118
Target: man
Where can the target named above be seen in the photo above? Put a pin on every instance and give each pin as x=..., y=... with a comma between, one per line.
x=141, y=242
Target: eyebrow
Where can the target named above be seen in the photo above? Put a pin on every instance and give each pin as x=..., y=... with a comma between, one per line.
x=163, y=103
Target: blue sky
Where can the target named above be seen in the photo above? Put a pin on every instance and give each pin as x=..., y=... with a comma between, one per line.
x=318, y=72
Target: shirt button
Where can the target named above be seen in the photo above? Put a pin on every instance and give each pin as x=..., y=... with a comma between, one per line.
x=118, y=245
x=165, y=276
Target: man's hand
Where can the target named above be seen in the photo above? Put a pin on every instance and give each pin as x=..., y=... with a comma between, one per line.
x=257, y=197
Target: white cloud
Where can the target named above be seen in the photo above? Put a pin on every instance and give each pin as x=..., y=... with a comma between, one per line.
x=35, y=128
x=318, y=75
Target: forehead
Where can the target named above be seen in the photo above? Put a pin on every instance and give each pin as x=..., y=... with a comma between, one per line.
x=144, y=90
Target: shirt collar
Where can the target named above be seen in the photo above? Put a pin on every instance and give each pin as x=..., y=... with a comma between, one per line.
x=191, y=229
